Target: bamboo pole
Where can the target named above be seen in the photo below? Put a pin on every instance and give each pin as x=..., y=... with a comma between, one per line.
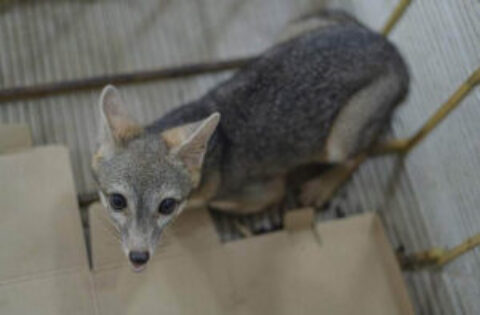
x=437, y=257
x=403, y=146
x=55, y=88
x=395, y=16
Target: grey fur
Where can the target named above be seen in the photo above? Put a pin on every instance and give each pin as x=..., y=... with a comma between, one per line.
x=276, y=114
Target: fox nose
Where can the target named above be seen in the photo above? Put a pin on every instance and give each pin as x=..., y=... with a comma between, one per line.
x=138, y=258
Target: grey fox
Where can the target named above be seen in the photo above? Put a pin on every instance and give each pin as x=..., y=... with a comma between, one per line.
x=320, y=97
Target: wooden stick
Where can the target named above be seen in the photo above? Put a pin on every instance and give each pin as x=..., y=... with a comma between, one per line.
x=395, y=16
x=48, y=89
x=452, y=103
x=437, y=257
x=405, y=145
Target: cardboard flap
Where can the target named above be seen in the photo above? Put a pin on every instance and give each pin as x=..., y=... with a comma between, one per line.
x=187, y=275
x=61, y=293
x=347, y=273
x=299, y=219
x=40, y=230
x=193, y=283
x=14, y=137
x=43, y=258
x=352, y=271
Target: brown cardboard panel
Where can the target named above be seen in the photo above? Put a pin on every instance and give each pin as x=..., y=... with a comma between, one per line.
x=63, y=293
x=390, y=261
x=192, y=231
x=188, y=274
x=106, y=250
x=40, y=229
x=341, y=267
x=14, y=137
x=299, y=219
x=345, y=272
x=193, y=283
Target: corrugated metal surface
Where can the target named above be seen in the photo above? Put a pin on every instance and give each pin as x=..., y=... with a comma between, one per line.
x=429, y=199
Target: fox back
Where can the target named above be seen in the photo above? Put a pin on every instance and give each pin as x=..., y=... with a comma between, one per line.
x=279, y=111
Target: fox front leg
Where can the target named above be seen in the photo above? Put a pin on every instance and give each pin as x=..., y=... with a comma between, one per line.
x=317, y=191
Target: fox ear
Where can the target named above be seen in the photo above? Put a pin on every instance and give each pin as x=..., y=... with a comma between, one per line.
x=189, y=143
x=116, y=126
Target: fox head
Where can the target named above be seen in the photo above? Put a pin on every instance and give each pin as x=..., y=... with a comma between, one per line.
x=145, y=179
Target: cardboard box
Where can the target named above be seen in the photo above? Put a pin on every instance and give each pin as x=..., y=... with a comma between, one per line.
x=43, y=262
x=339, y=267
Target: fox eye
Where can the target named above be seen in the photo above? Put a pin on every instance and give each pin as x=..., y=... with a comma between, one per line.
x=117, y=202
x=167, y=206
